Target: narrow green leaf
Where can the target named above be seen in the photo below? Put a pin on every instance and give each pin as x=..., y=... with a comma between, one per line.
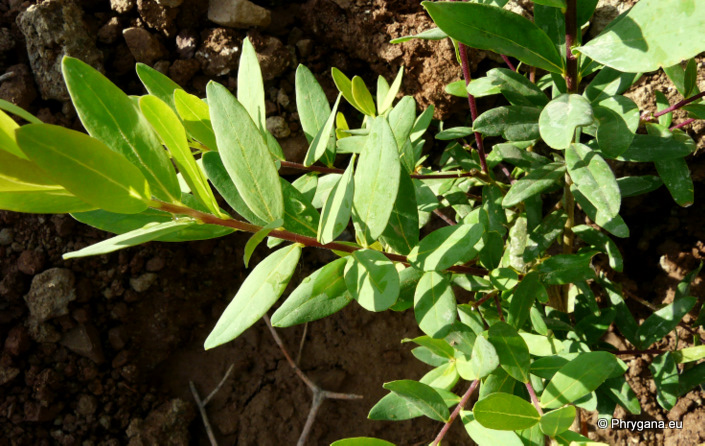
x=324, y=142
x=661, y=322
x=490, y=28
x=662, y=104
x=402, y=231
x=112, y=117
x=319, y=295
x=601, y=241
x=446, y=246
x=85, y=167
x=653, y=34
x=245, y=154
x=676, y=176
x=363, y=97
x=401, y=121
x=434, y=304
x=523, y=299
x=454, y=133
x=537, y=181
x=335, y=214
x=257, y=238
x=487, y=437
x=393, y=90
x=512, y=122
x=382, y=92
x=547, y=366
x=372, y=279
x=429, y=34
x=19, y=111
x=505, y=412
x=173, y=135
x=665, y=373
x=654, y=147
x=689, y=354
x=619, y=391
x=578, y=378
x=421, y=124
x=377, y=178
x=361, y=441
x=568, y=268
x=541, y=345
x=250, y=86
x=609, y=83
x=614, y=226
x=594, y=178
x=344, y=85
x=311, y=103
x=256, y=296
x=561, y=117
x=149, y=232
x=557, y=421
x=423, y=397
x=512, y=351
x=158, y=84
x=691, y=378
x=8, y=142
x=516, y=88
x=195, y=116
x=684, y=80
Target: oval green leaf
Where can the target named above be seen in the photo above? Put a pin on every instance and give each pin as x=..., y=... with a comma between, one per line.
x=557, y=421
x=434, y=304
x=446, y=246
x=505, y=412
x=512, y=351
x=424, y=397
x=513, y=122
x=335, y=214
x=561, y=117
x=578, y=378
x=594, y=178
x=372, y=279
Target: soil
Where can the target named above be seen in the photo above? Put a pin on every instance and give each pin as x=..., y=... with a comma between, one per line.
x=107, y=358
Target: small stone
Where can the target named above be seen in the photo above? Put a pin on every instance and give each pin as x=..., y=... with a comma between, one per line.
x=273, y=57
x=238, y=14
x=31, y=262
x=7, y=42
x=162, y=66
x=62, y=224
x=182, y=71
x=158, y=16
x=50, y=294
x=122, y=6
x=219, y=52
x=17, y=341
x=117, y=336
x=87, y=405
x=7, y=374
x=85, y=341
x=143, y=282
x=305, y=47
x=277, y=126
x=19, y=89
x=155, y=264
x=283, y=98
x=186, y=44
x=110, y=32
x=6, y=236
x=144, y=46
x=170, y=3
x=167, y=424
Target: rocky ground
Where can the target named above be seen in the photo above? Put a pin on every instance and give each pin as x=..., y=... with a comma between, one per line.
x=100, y=351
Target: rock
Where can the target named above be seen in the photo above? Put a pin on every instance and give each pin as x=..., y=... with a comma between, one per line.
x=186, y=44
x=144, y=46
x=182, y=71
x=277, y=126
x=85, y=341
x=7, y=374
x=6, y=236
x=167, y=424
x=143, y=282
x=117, y=336
x=19, y=89
x=158, y=16
x=87, y=405
x=156, y=264
x=219, y=52
x=52, y=29
x=170, y=3
x=283, y=98
x=162, y=66
x=274, y=58
x=295, y=148
x=50, y=294
x=31, y=262
x=238, y=14
x=17, y=341
x=305, y=47
x=122, y=6
x=7, y=42
x=110, y=32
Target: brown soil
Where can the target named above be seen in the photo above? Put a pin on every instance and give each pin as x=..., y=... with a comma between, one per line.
x=112, y=366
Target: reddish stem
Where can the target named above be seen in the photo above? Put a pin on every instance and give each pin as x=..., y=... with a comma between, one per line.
x=463, y=402
x=680, y=104
x=508, y=62
x=682, y=124
x=473, y=105
x=534, y=400
x=499, y=307
x=571, y=30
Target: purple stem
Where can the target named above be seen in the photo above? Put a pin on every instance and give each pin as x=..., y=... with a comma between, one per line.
x=678, y=105
x=571, y=29
x=463, y=401
x=682, y=124
x=534, y=400
x=508, y=62
x=473, y=105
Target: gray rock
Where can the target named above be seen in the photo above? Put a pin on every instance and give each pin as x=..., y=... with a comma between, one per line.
x=50, y=294
x=84, y=340
x=122, y=6
x=52, y=29
x=6, y=236
x=143, y=282
x=144, y=46
x=277, y=126
x=238, y=14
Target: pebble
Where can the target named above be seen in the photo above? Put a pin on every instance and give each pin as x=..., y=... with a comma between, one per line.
x=85, y=341
x=155, y=264
x=6, y=236
x=170, y=3
x=238, y=14
x=17, y=341
x=277, y=126
x=31, y=262
x=143, y=282
x=122, y=6
x=186, y=44
x=110, y=32
x=50, y=294
x=144, y=46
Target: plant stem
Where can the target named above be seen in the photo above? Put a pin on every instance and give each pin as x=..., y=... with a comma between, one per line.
x=651, y=351
x=509, y=63
x=682, y=124
x=473, y=105
x=289, y=236
x=461, y=405
x=534, y=400
x=571, y=31
x=680, y=104
x=497, y=301
x=444, y=217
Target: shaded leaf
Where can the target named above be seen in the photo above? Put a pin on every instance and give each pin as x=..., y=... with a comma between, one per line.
x=446, y=246
x=512, y=122
x=577, y=378
x=423, y=397
x=537, y=181
x=372, y=279
x=661, y=322
x=512, y=351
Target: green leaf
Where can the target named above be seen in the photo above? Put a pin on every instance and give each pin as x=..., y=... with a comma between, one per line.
x=497, y=381
x=665, y=373
x=401, y=121
x=361, y=441
x=551, y=3
x=653, y=34
x=257, y=238
x=323, y=143
x=490, y=28
x=173, y=135
x=429, y=34
x=446, y=246
x=543, y=235
x=408, y=279
x=19, y=111
x=624, y=320
x=487, y=437
x=619, y=391
x=479, y=88
x=372, y=279
x=85, y=167
x=484, y=359
x=547, y=366
x=519, y=157
x=434, y=304
x=594, y=178
x=615, y=226
x=8, y=142
x=504, y=279
x=516, y=244
x=245, y=155
x=633, y=186
x=256, y=296
x=421, y=124
x=653, y=147
x=676, y=176
x=362, y=96
x=661, y=322
x=149, y=232
x=512, y=351
x=311, y=103
x=319, y=295
x=344, y=85
x=454, y=133
x=377, y=178
x=392, y=93
x=158, y=84
x=336, y=212
x=578, y=378
x=561, y=117
x=542, y=345
x=394, y=407
x=689, y=354
x=601, y=241
x=557, y=421
x=423, y=397
x=685, y=81
x=505, y=412
x=609, y=83
x=568, y=268
x=516, y=88
x=402, y=231
x=195, y=116
x=513, y=122
x=112, y=117
x=617, y=121
x=492, y=202
x=492, y=250
x=523, y=299
x=662, y=104
x=250, y=86
x=537, y=181
x=299, y=214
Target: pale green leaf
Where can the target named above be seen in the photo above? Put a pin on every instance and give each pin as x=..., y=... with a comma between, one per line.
x=505, y=412
x=434, y=304
x=561, y=117
x=372, y=279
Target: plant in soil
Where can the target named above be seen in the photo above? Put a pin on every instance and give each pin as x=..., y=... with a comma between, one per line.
x=510, y=188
